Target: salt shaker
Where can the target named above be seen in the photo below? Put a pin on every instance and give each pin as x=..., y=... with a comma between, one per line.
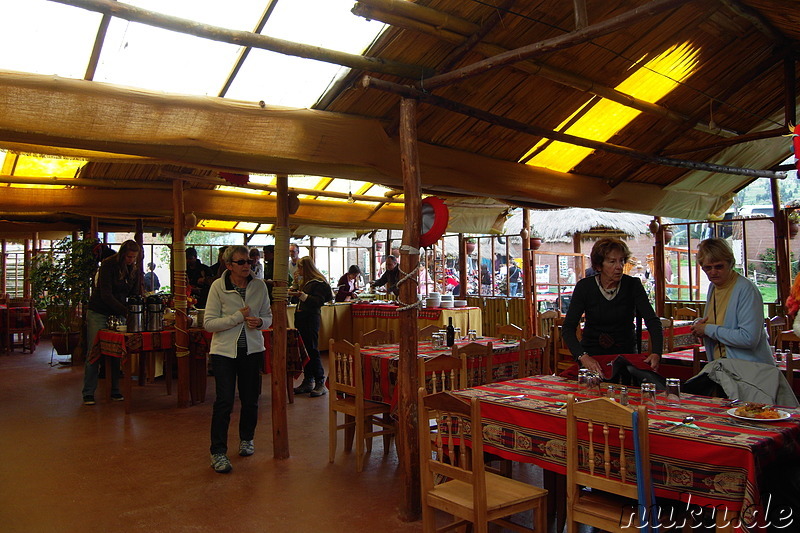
x=623, y=395
x=610, y=393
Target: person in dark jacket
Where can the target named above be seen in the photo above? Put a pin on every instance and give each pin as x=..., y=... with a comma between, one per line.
x=390, y=278
x=118, y=278
x=313, y=293
x=610, y=301
x=347, y=287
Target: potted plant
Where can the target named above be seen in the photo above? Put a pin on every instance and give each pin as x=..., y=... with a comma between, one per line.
x=536, y=240
x=793, y=215
x=60, y=282
x=470, y=245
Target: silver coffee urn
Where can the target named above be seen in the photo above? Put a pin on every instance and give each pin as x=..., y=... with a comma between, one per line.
x=135, y=320
x=155, y=313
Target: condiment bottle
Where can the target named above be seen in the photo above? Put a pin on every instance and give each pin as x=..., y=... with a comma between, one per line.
x=623, y=395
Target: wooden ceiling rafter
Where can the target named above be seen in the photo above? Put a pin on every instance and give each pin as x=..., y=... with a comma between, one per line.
x=411, y=92
x=561, y=42
x=758, y=21
x=413, y=20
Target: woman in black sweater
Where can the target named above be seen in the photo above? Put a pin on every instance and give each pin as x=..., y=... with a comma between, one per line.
x=610, y=300
x=313, y=293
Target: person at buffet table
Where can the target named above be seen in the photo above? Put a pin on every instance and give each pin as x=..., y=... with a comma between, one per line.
x=424, y=282
x=118, y=278
x=390, y=278
x=218, y=268
x=294, y=257
x=199, y=276
x=238, y=308
x=347, y=286
x=151, y=282
x=610, y=300
x=269, y=269
x=256, y=268
x=314, y=291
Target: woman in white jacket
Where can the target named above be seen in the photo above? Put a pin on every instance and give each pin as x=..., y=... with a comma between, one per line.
x=237, y=309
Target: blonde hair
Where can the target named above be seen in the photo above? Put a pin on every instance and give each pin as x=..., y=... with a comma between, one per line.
x=309, y=270
x=715, y=251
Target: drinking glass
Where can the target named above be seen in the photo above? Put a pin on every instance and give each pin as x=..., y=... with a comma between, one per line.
x=649, y=398
x=458, y=333
x=593, y=383
x=583, y=379
x=673, y=392
x=472, y=334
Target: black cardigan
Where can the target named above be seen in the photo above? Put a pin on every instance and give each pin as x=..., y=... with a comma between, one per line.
x=609, y=325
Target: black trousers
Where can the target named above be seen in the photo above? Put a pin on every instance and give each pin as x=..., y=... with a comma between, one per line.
x=307, y=325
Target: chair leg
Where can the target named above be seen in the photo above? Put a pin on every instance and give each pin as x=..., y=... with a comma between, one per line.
x=428, y=518
x=332, y=416
x=360, y=423
x=387, y=439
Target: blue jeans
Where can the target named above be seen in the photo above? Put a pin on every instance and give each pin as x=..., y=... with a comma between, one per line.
x=307, y=325
x=245, y=367
x=95, y=322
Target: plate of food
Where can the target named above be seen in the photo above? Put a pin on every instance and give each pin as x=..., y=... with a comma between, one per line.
x=758, y=412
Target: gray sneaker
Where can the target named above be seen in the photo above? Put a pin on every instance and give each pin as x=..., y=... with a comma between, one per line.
x=306, y=386
x=220, y=463
x=246, y=448
x=319, y=390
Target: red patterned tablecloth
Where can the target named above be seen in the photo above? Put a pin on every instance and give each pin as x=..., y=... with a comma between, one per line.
x=117, y=344
x=18, y=317
x=381, y=363
x=296, y=355
x=391, y=311
x=718, y=462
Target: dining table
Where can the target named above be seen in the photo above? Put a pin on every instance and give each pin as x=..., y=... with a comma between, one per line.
x=16, y=318
x=715, y=462
x=381, y=365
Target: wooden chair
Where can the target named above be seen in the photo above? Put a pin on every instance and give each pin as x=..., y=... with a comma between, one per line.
x=346, y=380
x=508, y=331
x=684, y=313
x=530, y=362
x=469, y=493
x=774, y=326
x=699, y=359
x=485, y=370
x=787, y=340
x=376, y=337
x=546, y=322
x=669, y=334
x=605, y=462
x=21, y=325
x=562, y=357
x=426, y=332
x=443, y=373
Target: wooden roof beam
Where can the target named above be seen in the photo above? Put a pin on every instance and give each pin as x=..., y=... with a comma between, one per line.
x=761, y=23
x=411, y=92
x=246, y=38
x=414, y=19
x=551, y=45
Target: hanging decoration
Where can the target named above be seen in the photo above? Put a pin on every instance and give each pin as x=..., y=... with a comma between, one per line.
x=435, y=217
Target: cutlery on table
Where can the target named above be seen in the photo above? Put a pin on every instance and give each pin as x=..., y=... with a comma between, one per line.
x=687, y=420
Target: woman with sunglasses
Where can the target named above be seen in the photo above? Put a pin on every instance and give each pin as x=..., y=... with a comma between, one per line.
x=313, y=292
x=733, y=325
x=238, y=308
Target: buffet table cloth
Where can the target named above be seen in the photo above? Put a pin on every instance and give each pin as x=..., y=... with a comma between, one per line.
x=386, y=317
x=717, y=461
x=381, y=363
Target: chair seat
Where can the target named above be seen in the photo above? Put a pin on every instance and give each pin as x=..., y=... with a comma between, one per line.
x=612, y=508
x=501, y=492
x=348, y=406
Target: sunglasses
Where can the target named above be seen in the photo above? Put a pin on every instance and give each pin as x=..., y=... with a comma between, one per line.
x=241, y=262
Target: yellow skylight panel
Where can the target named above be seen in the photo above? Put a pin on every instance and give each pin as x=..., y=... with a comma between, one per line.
x=650, y=82
x=33, y=166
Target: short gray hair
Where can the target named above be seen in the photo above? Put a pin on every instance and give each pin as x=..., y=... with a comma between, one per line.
x=227, y=256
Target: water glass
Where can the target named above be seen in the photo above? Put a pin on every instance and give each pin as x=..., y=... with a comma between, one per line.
x=583, y=379
x=649, y=396
x=472, y=334
x=458, y=333
x=593, y=383
x=673, y=392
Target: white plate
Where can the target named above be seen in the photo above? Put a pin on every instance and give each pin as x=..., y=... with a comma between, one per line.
x=783, y=416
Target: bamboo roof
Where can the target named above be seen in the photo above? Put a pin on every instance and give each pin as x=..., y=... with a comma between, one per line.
x=563, y=224
x=675, y=105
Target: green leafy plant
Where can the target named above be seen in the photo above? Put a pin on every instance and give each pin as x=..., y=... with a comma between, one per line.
x=61, y=282
x=794, y=214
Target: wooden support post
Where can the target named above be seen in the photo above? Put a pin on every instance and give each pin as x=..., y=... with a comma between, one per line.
x=4, y=265
x=179, y=295
x=407, y=439
x=463, y=257
x=280, y=424
x=530, y=312
x=781, y=230
x=659, y=273
x=26, y=270
x=139, y=238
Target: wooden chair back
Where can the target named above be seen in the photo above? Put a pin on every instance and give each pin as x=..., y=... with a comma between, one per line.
x=545, y=325
x=346, y=396
x=600, y=454
x=699, y=359
x=21, y=329
x=426, y=332
x=789, y=342
x=508, y=331
x=774, y=326
x=483, y=352
x=465, y=491
x=376, y=337
x=669, y=334
x=532, y=355
x=443, y=373
x=562, y=357
x=20, y=302
x=684, y=313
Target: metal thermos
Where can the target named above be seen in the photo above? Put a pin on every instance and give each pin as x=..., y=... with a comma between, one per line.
x=155, y=313
x=135, y=320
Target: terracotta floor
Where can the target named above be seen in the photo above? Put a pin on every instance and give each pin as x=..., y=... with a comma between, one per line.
x=66, y=467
